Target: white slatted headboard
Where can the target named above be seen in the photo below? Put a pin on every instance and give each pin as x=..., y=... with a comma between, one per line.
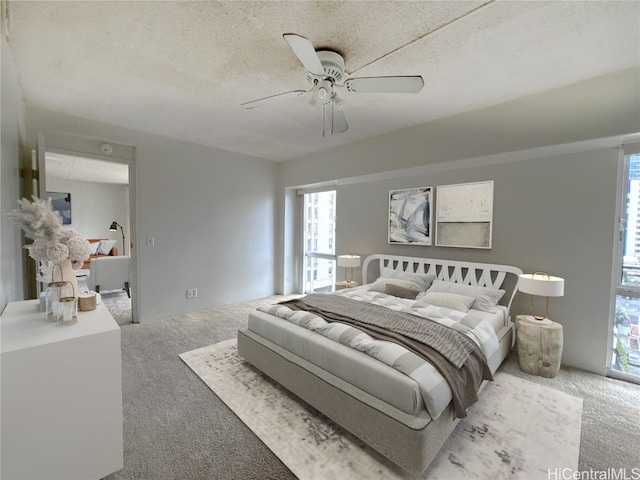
x=468, y=273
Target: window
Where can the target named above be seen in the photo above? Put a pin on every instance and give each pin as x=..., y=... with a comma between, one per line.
x=318, y=240
x=625, y=353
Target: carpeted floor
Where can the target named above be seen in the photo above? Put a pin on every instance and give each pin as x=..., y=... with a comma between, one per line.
x=117, y=302
x=486, y=444
x=119, y=305
x=175, y=428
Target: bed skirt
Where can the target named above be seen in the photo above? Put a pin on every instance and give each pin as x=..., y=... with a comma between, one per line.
x=409, y=441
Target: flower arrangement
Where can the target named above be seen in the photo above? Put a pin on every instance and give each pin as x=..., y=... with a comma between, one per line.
x=52, y=244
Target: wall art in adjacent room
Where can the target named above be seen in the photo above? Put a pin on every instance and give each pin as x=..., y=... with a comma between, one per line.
x=61, y=203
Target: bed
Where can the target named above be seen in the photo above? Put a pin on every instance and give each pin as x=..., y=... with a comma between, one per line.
x=375, y=383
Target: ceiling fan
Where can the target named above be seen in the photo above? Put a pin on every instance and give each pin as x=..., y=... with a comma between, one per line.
x=325, y=72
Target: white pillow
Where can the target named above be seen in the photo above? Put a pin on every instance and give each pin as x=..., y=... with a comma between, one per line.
x=486, y=297
x=94, y=248
x=106, y=246
x=420, y=281
x=461, y=303
x=391, y=273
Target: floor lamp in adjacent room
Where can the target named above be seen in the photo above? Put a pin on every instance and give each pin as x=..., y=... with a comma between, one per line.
x=114, y=228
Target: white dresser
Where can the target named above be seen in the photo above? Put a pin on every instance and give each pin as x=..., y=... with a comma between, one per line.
x=61, y=410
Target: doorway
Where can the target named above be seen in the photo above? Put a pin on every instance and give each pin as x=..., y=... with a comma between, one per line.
x=99, y=193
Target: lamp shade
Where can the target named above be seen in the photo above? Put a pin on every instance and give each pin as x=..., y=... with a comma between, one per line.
x=541, y=284
x=348, y=261
x=114, y=226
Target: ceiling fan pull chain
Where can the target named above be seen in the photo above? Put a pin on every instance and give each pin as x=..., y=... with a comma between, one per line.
x=331, y=116
x=324, y=118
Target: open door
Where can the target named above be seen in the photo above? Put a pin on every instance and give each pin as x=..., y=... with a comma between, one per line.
x=34, y=183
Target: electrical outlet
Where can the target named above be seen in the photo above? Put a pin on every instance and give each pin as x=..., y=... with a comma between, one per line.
x=192, y=292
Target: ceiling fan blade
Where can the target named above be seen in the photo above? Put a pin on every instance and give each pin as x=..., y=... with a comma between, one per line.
x=273, y=99
x=305, y=52
x=340, y=124
x=409, y=84
x=335, y=119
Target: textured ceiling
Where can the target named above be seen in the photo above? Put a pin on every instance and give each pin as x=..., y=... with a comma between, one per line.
x=68, y=167
x=182, y=69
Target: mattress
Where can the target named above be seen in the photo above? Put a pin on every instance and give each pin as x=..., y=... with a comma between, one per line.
x=357, y=368
x=361, y=370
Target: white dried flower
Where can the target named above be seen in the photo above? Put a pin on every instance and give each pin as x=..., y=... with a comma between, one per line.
x=79, y=248
x=77, y=264
x=68, y=233
x=38, y=219
x=52, y=243
x=44, y=251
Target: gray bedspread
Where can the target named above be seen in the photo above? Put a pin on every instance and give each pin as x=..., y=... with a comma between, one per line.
x=458, y=359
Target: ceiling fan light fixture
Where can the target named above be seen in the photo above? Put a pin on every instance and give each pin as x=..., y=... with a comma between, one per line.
x=325, y=72
x=323, y=92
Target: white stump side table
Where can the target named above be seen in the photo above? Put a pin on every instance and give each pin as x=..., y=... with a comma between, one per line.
x=539, y=346
x=61, y=395
x=345, y=284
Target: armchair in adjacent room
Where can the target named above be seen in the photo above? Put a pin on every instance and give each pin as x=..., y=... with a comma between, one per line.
x=110, y=273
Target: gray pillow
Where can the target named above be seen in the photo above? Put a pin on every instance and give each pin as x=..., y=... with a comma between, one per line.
x=380, y=285
x=401, y=292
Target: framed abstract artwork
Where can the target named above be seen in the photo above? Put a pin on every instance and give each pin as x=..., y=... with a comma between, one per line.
x=464, y=215
x=61, y=203
x=410, y=216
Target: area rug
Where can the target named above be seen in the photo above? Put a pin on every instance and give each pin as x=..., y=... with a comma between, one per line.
x=117, y=302
x=517, y=430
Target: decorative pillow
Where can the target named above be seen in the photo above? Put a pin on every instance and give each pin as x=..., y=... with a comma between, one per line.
x=401, y=292
x=461, y=303
x=94, y=248
x=421, y=281
x=105, y=247
x=486, y=297
x=380, y=285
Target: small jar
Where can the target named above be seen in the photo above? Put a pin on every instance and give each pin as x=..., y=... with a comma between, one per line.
x=52, y=301
x=68, y=306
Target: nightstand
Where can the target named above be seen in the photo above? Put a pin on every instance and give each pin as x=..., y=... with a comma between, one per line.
x=539, y=346
x=345, y=284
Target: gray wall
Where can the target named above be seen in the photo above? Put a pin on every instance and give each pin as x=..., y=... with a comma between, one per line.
x=553, y=214
x=554, y=202
x=210, y=211
x=13, y=132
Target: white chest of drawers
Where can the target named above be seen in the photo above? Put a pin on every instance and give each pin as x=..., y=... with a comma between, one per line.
x=61, y=390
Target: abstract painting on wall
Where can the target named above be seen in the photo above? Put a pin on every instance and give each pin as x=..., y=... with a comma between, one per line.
x=464, y=215
x=61, y=203
x=410, y=216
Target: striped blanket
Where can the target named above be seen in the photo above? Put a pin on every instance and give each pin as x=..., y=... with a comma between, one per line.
x=403, y=340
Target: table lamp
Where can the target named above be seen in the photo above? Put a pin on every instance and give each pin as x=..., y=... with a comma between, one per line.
x=349, y=261
x=541, y=284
